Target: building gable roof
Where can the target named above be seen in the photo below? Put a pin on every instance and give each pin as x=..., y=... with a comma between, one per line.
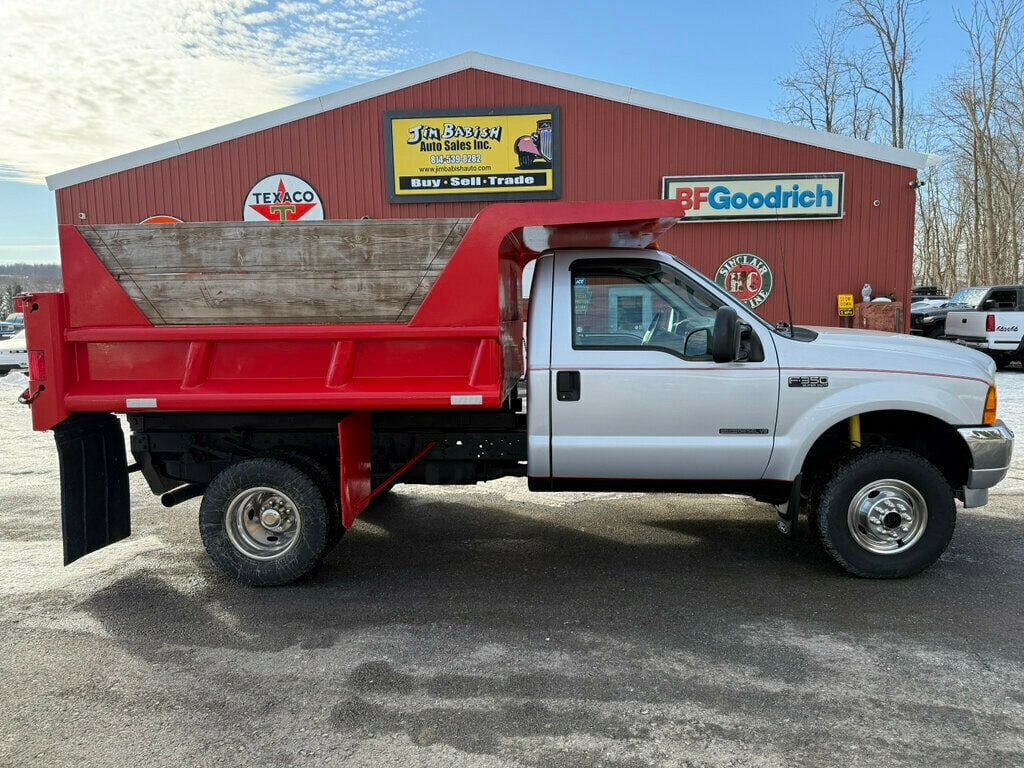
x=479, y=61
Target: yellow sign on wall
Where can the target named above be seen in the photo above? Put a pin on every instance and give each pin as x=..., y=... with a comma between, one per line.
x=845, y=301
x=473, y=155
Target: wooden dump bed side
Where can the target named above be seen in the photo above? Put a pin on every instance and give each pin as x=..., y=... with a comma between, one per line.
x=339, y=316
x=251, y=273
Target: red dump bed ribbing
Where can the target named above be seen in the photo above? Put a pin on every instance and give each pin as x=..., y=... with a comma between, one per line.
x=93, y=349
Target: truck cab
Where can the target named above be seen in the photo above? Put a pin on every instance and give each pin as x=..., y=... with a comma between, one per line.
x=621, y=347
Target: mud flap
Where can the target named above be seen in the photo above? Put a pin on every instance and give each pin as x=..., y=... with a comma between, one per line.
x=789, y=512
x=94, y=502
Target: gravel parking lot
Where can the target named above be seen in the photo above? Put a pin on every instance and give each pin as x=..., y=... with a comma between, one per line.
x=485, y=626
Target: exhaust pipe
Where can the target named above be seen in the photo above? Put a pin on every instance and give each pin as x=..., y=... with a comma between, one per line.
x=184, y=493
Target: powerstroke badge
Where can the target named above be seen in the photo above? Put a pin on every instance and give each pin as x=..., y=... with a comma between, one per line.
x=747, y=277
x=282, y=197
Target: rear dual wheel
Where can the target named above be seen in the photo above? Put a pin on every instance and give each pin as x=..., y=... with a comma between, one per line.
x=884, y=513
x=268, y=522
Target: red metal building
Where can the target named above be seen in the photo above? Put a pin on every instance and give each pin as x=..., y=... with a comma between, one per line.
x=609, y=143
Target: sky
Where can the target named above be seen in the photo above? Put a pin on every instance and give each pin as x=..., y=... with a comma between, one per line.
x=82, y=80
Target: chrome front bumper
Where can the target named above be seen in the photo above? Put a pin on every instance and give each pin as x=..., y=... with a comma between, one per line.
x=991, y=449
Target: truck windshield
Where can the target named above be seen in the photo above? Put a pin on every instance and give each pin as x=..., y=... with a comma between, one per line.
x=723, y=296
x=968, y=297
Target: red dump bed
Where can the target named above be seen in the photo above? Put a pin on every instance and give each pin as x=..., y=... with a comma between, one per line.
x=131, y=333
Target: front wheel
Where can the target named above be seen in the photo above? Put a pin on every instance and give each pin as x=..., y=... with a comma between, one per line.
x=265, y=522
x=885, y=513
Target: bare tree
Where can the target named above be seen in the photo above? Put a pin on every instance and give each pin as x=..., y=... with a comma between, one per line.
x=815, y=90
x=7, y=294
x=824, y=91
x=894, y=27
x=970, y=217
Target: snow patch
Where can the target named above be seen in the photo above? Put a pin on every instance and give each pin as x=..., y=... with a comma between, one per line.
x=14, y=380
x=1010, y=387
x=37, y=566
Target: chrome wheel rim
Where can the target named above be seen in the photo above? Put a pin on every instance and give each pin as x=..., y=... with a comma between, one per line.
x=262, y=523
x=887, y=517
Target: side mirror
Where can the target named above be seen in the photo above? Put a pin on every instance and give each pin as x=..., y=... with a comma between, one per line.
x=725, y=339
x=697, y=343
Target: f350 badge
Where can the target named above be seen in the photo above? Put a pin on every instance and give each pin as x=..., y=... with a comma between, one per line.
x=808, y=381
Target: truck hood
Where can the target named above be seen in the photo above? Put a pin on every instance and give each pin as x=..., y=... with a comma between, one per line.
x=884, y=351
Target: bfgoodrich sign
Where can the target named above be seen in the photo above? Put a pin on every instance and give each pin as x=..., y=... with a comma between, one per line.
x=788, y=196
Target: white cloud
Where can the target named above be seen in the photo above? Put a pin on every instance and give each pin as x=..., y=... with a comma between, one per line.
x=82, y=80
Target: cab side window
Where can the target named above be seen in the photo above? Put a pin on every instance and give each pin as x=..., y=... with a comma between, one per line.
x=1002, y=298
x=640, y=305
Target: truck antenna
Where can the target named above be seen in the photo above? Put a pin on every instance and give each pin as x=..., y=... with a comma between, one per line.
x=785, y=285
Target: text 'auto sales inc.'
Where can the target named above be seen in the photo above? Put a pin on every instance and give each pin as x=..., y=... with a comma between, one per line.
x=755, y=197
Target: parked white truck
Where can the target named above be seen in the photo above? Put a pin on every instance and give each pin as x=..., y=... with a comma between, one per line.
x=996, y=327
x=642, y=375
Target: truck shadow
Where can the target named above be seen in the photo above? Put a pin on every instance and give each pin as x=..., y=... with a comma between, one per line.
x=412, y=561
x=458, y=605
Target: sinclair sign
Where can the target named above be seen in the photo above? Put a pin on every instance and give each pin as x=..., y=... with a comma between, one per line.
x=752, y=198
x=747, y=277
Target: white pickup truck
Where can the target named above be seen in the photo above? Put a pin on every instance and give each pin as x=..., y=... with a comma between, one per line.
x=642, y=374
x=996, y=327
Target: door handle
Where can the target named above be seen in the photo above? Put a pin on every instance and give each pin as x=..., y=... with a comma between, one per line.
x=567, y=385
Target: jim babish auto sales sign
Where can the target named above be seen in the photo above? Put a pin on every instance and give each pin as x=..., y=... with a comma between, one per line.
x=473, y=155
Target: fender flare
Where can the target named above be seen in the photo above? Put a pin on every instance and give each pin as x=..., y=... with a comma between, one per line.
x=792, y=448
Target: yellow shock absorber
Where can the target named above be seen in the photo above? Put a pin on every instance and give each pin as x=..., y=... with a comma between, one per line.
x=855, y=431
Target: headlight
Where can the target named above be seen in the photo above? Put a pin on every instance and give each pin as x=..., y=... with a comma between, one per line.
x=932, y=319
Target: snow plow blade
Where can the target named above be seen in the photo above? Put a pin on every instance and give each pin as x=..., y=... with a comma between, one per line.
x=94, y=499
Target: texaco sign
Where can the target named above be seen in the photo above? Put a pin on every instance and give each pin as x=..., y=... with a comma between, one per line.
x=282, y=197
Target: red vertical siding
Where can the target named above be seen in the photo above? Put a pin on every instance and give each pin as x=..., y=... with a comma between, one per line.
x=611, y=151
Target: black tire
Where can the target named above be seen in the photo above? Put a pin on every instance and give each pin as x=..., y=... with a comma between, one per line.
x=811, y=501
x=328, y=484
x=309, y=543
x=1002, y=361
x=855, y=473
x=935, y=332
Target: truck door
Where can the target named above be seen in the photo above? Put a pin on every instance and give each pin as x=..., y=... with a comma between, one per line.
x=634, y=393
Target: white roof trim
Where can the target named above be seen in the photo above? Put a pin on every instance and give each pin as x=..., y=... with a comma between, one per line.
x=540, y=75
